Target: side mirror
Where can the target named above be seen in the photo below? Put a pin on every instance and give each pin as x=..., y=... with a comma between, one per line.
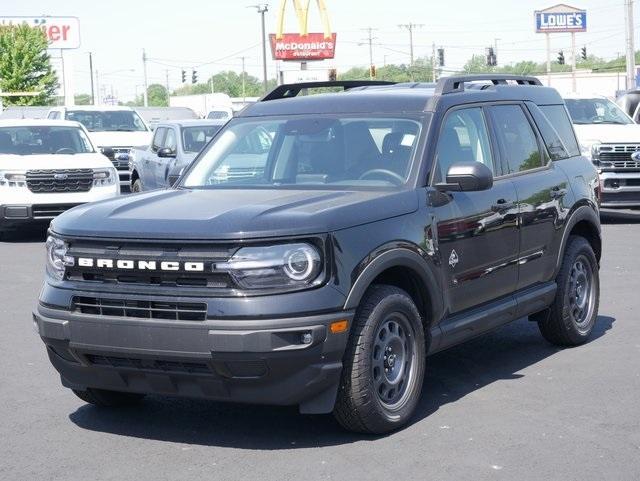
x=166, y=153
x=467, y=177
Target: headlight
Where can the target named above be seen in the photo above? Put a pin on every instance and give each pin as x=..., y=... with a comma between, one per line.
x=591, y=150
x=280, y=266
x=57, y=258
x=102, y=177
x=13, y=178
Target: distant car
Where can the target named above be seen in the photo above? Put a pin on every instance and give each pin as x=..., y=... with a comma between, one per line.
x=174, y=146
x=115, y=130
x=220, y=114
x=48, y=167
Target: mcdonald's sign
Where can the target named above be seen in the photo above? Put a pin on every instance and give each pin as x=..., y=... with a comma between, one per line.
x=304, y=45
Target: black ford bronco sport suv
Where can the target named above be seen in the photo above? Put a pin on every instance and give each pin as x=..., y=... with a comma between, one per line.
x=321, y=246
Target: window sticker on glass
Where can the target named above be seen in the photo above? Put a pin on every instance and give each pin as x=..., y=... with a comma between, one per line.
x=407, y=140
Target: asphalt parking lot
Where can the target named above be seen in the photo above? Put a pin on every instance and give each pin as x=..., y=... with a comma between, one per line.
x=504, y=406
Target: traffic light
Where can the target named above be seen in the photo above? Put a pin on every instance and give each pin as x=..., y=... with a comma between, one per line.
x=194, y=77
x=184, y=76
x=441, y=57
x=333, y=75
x=492, y=59
x=584, y=53
x=372, y=71
x=561, y=57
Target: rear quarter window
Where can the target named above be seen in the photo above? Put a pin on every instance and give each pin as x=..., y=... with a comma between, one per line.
x=559, y=119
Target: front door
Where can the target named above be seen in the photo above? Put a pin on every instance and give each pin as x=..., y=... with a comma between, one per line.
x=477, y=232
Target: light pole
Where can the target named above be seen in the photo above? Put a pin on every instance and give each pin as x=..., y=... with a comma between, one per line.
x=262, y=9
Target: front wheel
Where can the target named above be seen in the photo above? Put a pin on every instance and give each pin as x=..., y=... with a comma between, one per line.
x=384, y=363
x=136, y=186
x=570, y=319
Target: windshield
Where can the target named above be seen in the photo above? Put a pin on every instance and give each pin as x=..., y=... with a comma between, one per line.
x=36, y=140
x=108, y=120
x=596, y=111
x=195, y=138
x=313, y=151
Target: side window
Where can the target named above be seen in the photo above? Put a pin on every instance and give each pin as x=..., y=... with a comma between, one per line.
x=170, y=140
x=516, y=137
x=463, y=138
x=158, y=138
x=53, y=115
x=559, y=118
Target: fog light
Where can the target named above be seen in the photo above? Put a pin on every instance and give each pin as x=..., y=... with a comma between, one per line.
x=306, y=338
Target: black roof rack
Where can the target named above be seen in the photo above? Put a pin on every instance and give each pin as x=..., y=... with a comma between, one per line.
x=292, y=90
x=456, y=83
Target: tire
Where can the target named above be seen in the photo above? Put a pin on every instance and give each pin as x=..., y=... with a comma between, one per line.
x=136, y=186
x=107, y=399
x=570, y=319
x=386, y=318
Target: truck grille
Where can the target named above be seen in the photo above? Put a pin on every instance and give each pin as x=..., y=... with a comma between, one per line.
x=49, y=211
x=68, y=180
x=119, y=156
x=148, y=364
x=142, y=309
x=619, y=155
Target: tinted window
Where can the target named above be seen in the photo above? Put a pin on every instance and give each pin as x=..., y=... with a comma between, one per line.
x=195, y=138
x=516, y=137
x=463, y=138
x=559, y=119
x=158, y=138
x=596, y=111
x=34, y=140
x=170, y=140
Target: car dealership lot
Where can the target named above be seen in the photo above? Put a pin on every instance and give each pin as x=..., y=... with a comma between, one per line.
x=504, y=406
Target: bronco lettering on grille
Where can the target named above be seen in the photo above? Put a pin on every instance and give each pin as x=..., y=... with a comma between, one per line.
x=141, y=265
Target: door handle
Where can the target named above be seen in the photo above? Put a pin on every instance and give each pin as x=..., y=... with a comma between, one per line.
x=557, y=193
x=502, y=204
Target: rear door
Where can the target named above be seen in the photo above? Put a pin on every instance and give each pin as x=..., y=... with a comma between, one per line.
x=476, y=231
x=540, y=186
x=150, y=159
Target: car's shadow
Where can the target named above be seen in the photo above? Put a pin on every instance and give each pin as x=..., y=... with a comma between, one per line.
x=451, y=375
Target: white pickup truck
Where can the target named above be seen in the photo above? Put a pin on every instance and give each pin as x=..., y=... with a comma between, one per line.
x=611, y=139
x=47, y=167
x=115, y=130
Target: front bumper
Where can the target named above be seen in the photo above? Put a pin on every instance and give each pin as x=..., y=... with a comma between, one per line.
x=263, y=361
x=620, y=189
x=12, y=215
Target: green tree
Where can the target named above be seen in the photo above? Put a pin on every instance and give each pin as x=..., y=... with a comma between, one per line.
x=25, y=65
x=157, y=96
x=229, y=83
x=82, y=99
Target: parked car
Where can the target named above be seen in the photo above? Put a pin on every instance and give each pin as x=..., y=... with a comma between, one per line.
x=611, y=139
x=48, y=167
x=24, y=112
x=174, y=146
x=379, y=225
x=115, y=130
x=629, y=102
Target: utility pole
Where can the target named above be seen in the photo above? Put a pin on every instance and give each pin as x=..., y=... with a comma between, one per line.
x=262, y=9
x=370, y=40
x=244, y=95
x=166, y=73
x=146, y=86
x=410, y=27
x=93, y=96
x=631, y=55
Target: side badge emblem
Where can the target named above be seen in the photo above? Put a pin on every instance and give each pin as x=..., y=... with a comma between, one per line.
x=453, y=259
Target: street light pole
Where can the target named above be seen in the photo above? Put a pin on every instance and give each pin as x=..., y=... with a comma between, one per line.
x=262, y=9
x=631, y=55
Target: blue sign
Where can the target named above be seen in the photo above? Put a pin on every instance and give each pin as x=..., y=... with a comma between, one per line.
x=561, y=21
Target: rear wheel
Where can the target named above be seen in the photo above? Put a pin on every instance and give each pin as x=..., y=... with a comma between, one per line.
x=384, y=363
x=104, y=398
x=136, y=186
x=570, y=319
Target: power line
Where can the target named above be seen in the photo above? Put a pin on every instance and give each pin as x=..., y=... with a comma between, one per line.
x=410, y=26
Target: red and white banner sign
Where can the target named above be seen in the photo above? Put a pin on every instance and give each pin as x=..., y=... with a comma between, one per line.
x=62, y=32
x=293, y=46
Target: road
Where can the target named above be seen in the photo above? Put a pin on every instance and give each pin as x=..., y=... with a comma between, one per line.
x=507, y=406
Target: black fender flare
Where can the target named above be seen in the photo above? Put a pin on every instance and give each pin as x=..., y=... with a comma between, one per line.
x=581, y=213
x=398, y=257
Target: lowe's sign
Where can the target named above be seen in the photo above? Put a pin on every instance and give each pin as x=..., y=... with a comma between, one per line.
x=561, y=18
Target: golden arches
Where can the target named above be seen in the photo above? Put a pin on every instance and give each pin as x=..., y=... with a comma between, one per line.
x=302, y=13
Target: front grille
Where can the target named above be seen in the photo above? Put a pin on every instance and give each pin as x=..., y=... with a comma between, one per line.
x=119, y=157
x=68, y=180
x=148, y=364
x=141, y=309
x=627, y=197
x=47, y=211
x=619, y=155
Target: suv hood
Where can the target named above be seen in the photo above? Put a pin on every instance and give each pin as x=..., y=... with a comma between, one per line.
x=231, y=214
x=120, y=139
x=608, y=133
x=51, y=161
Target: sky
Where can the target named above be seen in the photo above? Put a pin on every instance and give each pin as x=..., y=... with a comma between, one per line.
x=212, y=35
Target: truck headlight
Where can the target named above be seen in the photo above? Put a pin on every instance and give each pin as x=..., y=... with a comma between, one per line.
x=13, y=178
x=57, y=258
x=103, y=177
x=279, y=266
x=591, y=150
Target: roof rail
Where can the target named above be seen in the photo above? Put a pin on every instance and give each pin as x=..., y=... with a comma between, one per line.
x=292, y=90
x=456, y=83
